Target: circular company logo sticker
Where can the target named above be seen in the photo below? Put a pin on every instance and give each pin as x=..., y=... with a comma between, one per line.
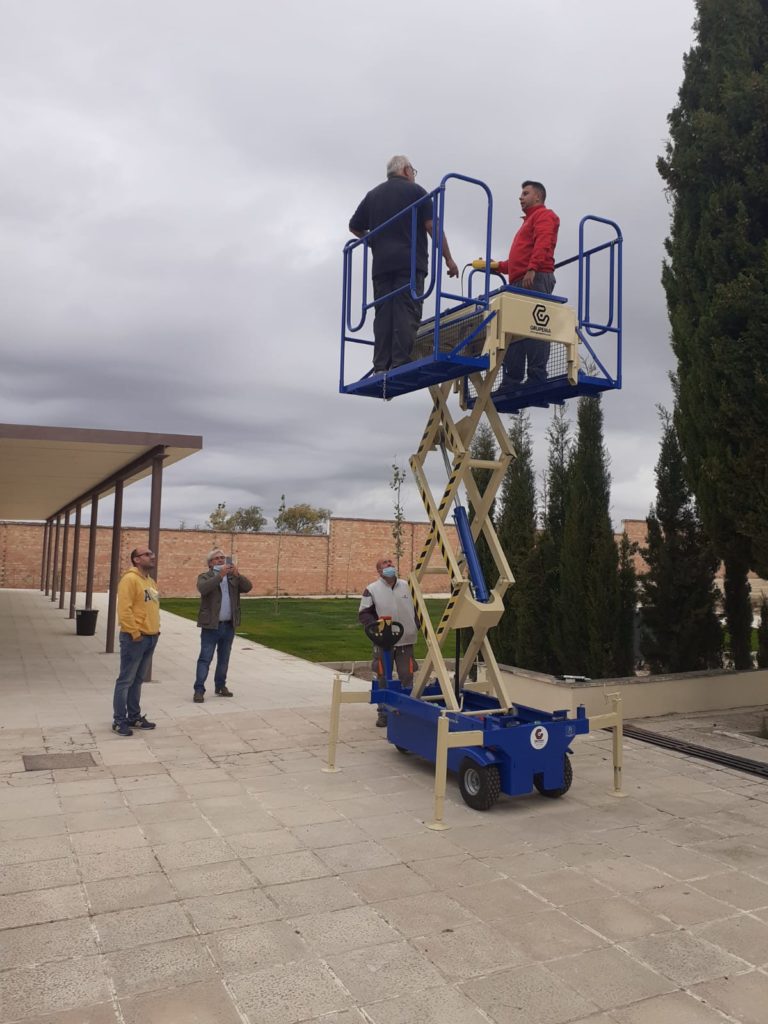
x=539, y=737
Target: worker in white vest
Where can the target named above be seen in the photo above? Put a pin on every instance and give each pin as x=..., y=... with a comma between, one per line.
x=389, y=597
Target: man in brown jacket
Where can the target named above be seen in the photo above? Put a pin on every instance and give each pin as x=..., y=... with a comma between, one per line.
x=219, y=615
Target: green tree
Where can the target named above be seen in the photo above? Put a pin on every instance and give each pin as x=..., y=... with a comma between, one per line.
x=681, y=631
x=517, y=533
x=242, y=520
x=303, y=519
x=550, y=542
x=716, y=282
x=624, y=656
x=398, y=521
x=589, y=558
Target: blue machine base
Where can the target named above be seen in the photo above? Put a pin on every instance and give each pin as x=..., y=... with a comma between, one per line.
x=529, y=743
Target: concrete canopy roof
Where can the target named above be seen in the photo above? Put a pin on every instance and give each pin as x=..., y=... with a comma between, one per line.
x=46, y=469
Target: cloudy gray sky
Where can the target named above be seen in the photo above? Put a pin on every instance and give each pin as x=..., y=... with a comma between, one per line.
x=176, y=177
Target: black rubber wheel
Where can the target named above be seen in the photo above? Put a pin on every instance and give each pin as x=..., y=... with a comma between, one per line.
x=403, y=750
x=479, y=786
x=538, y=781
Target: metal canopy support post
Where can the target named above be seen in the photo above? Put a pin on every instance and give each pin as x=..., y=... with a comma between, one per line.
x=55, y=558
x=44, y=555
x=64, y=552
x=114, y=566
x=91, y=552
x=48, y=546
x=154, y=505
x=75, y=561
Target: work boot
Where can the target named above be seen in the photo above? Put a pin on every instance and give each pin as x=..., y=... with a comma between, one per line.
x=199, y=698
x=224, y=692
x=123, y=729
x=381, y=719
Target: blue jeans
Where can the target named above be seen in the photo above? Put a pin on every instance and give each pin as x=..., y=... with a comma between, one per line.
x=536, y=353
x=134, y=660
x=220, y=641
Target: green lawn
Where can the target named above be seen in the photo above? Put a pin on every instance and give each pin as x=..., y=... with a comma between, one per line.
x=317, y=630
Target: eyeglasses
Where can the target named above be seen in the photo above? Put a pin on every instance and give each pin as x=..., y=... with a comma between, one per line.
x=413, y=170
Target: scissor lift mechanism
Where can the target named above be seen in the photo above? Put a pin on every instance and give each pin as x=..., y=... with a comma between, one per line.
x=474, y=726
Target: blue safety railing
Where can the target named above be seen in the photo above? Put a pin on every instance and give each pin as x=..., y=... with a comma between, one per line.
x=468, y=317
x=594, y=374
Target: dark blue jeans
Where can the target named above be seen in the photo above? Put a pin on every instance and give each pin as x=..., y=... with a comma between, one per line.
x=217, y=640
x=134, y=659
x=534, y=352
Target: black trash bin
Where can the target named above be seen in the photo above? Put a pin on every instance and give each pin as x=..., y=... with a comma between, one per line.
x=85, y=621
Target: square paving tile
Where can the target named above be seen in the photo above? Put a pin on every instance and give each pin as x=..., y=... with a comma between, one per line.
x=471, y=950
x=102, y=1013
x=744, y=996
x=315, y=896
x=193, y=853
x=62, y=903
x=744, y=936
x=340, y=930
x=684, y=904
x=382, y=972
x=525, y=995
x=737, y=889
x=492, y=901
x=40, y=943
x=101, y=841
x=425, y=914
x=212, y=879
x=677, y=1008
x=618, y=918
x=357, y=856
x=277, y=996
x=52, y=987
x=46, y=874
x=288, y=867
x=608, y=977
x=250, y=948
x=685, y=958
x=126, y=893
x=569, y=885
x=386, y=882
x=160, y=965
x=548, y=935
x=126, y=929
x=435, y=1006
x=206, y=1003
x=230, y=910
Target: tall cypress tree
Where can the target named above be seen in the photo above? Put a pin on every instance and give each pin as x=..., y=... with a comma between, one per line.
x=681, y=631
x=624, y=653
x=589, y=559
x=550, y=542
x=716, y=281
x=517, y=533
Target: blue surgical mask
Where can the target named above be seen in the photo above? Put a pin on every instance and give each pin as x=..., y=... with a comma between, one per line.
x=390, y=573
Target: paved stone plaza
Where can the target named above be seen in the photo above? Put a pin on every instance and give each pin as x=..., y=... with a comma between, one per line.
x=210, y=873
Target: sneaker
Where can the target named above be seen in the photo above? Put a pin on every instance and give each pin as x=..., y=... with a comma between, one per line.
x=199, y=698
x=381, y=720
x=123, y=729
x=224, y=692
x=142, y=723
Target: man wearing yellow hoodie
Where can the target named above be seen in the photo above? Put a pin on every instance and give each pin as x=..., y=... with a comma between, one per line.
x=138, y=612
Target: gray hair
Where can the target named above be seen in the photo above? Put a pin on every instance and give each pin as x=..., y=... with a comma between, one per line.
x=397, y=165
x=212, y=554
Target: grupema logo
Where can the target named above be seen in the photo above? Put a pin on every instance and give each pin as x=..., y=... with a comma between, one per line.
x=540, y=318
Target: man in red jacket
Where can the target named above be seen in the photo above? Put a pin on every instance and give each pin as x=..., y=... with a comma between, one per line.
x=531, y=265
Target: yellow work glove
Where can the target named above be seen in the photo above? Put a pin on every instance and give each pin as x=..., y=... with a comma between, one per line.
x=480, y=264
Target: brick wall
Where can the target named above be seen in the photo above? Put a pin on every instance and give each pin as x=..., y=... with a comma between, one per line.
x=341, y=563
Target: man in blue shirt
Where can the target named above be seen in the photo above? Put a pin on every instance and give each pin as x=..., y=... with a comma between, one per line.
x=219, y=615
x=397, y=319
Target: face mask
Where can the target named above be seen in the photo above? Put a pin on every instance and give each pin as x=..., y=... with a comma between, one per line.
x=389, y=573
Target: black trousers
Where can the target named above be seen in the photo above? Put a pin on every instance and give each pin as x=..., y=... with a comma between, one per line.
x=536, y=353
x=396, y=320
